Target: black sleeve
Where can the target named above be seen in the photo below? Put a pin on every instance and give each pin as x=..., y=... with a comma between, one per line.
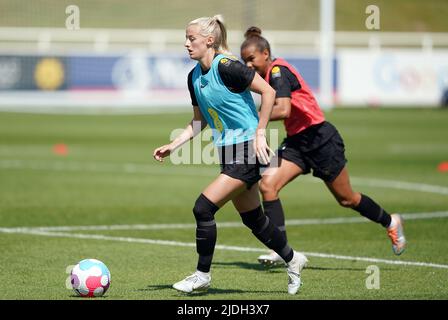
x=283, y=81
x=194, y=101
x=235, y=75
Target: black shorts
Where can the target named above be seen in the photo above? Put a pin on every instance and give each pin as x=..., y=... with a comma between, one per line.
x=319, y=148
x=239, y=161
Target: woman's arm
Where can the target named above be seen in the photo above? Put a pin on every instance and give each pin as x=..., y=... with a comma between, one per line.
x=267, y=93
x=281, y=109
x=196, y=125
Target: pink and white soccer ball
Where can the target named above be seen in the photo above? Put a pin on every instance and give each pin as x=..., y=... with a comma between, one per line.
x=90, y=278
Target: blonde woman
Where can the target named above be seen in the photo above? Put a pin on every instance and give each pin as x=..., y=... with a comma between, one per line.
x=220, y=92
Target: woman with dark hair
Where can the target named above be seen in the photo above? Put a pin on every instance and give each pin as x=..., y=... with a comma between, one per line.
x=312, y=143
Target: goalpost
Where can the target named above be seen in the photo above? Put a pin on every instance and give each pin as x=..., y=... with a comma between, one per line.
x=326, y=74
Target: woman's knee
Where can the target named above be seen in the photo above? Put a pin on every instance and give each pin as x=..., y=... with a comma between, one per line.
x=268, y=188
x=350, y=201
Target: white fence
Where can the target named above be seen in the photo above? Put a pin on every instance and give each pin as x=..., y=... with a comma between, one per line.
x=121, y=70
x=60, y=40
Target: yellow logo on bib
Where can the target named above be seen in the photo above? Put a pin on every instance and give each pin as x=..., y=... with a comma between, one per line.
x=216, y=121
x=275, y=70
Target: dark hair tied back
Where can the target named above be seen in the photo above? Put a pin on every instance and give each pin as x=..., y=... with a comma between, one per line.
x=252, y=32
x=253, y=37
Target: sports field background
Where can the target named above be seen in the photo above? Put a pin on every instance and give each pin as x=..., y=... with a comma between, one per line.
x=109, y=177
x=59, y=172
x=396, y=15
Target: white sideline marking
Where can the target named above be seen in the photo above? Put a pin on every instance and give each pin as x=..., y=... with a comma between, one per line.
x=179, y=171
x=418, y=148
x=401, y=185
x=239, y=224
x=223, y=247
x=190, y=171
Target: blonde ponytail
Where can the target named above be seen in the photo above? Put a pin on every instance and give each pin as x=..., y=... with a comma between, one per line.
x=214, y=26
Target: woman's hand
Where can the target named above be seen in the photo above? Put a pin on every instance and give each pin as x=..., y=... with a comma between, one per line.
x=196, y=125
x=261, y=147
x=162, y=152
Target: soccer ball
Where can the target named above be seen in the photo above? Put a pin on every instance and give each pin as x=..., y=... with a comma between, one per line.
x=90, y=278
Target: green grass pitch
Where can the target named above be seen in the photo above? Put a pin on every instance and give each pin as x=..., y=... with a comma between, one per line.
x=109, y=177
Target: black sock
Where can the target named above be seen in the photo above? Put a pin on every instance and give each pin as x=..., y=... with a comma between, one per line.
x=372, y=211
x=204, y=211
x=205, y=246
x=274, y=210
x=267, y=232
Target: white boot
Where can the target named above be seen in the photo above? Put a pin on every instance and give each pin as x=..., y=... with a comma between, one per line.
x=270, y=259
x=294, y=268
x=198, y=281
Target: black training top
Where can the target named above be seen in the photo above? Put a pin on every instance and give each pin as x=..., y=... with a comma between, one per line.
x=235, y=75
x=284, y=82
